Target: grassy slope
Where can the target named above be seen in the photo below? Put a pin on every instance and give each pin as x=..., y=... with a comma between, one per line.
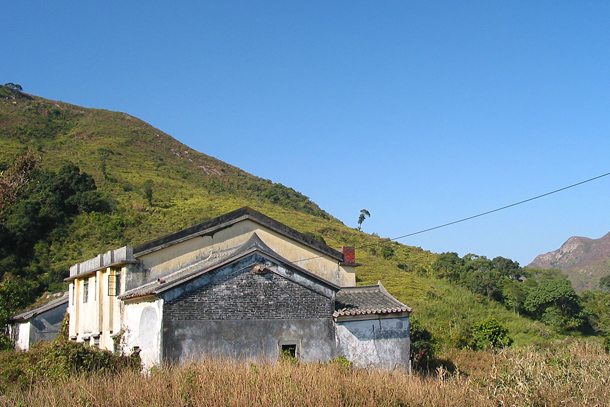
x=190, y=187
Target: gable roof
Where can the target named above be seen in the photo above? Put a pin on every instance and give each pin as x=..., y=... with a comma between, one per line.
x=212, y=226
x=367, y=300
x=213, y=262
x=31, y=313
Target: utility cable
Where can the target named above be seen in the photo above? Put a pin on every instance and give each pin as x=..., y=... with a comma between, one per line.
x=500, y=209
x=474, y=216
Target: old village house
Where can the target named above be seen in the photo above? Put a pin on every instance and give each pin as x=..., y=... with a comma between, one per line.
x=241, y=285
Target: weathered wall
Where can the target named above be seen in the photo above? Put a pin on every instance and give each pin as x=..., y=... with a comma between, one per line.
x=376, y=343
x=248, y=339
x=98, y=318
x=243, y=314
x=45, y=326
x=142, y=321
x=21, y=334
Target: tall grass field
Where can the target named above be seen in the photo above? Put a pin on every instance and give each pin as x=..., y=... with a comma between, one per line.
x=571, y=373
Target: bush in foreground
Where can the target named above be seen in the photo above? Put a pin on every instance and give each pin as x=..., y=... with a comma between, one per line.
x=56, y=362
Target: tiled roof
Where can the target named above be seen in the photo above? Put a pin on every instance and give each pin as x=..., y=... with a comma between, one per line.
x=367, y=300
x=153, y=287
x=61, y=300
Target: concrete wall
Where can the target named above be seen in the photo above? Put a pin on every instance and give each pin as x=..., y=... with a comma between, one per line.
x=239, y=313
x=248, y=339
x=46, y=326
x=97, y=319
x=143, y=325
x=377, y=343
x=120, y=255
x=21, y=333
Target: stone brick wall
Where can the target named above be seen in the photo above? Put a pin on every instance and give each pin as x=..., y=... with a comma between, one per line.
x=246, y=295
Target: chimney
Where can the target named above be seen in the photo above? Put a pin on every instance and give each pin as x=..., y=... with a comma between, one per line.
x=349, y=254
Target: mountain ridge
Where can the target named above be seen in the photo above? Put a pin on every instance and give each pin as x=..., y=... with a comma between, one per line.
x=582, y=259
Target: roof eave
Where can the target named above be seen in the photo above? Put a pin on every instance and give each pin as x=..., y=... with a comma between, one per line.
x=95, y=270
x=338, y=317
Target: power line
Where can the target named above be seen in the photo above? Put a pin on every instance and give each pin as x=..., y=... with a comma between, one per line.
x=475, y=216
x=502, y=208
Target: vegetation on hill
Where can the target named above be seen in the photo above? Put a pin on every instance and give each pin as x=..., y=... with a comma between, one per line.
x=100, y=180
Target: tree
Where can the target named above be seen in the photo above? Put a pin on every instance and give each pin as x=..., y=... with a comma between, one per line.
x=422, y=344
x=514, y=293
x=387, y=251
x=555, y=302
x=508, y=268
x=104, y=153
x=448, y=265
x=13, y=86
x=490, y=334
x=598, y=305
x=363, y=215
x=148, y=191
x=604, y=284
x=14, y=178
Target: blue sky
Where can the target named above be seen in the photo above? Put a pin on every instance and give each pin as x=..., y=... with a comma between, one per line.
x=421, y=112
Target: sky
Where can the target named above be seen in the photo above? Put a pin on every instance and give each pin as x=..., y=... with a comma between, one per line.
x=421, y=112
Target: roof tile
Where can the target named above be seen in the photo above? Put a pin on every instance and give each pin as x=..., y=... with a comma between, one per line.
x=367, y=300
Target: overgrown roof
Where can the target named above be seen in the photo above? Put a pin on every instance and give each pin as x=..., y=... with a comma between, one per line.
x=32, y=312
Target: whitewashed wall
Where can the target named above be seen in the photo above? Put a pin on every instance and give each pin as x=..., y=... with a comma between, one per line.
x=143, y=325
x=375, y=343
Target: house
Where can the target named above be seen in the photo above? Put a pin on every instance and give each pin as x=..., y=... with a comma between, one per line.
x=40, y=323
x=241, y=285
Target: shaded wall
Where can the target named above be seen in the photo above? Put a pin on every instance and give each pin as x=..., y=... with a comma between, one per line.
x=243, y=314
x=46, y=326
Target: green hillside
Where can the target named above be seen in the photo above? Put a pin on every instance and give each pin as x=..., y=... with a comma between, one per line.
x=149, y=184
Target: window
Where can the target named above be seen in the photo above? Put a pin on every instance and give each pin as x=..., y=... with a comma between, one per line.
x=289, y=351
x=85, y=290
x=114, y=282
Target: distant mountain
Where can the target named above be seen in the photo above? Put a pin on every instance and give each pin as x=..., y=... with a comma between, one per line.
x=584, y=260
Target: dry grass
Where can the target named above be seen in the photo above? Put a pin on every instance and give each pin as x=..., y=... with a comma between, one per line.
x=570, y=374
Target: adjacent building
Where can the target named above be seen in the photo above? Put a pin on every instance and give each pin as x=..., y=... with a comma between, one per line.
x=41, y=323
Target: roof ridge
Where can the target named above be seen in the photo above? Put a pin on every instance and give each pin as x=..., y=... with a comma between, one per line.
x=214, y=225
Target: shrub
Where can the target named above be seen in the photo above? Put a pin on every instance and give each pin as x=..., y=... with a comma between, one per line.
x=490, y=334
x=52, y=361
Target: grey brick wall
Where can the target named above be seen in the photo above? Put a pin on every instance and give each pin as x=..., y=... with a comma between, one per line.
x=245, y=295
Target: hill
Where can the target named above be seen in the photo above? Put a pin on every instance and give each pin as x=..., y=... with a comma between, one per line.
x=585, y=261
x=129, y=182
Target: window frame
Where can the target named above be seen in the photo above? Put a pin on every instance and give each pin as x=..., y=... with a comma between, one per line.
x=85, y=290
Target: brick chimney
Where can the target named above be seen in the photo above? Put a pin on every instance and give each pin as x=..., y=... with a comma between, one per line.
x=349, y=254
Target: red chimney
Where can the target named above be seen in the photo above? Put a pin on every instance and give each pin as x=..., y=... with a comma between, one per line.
x=349, y=254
